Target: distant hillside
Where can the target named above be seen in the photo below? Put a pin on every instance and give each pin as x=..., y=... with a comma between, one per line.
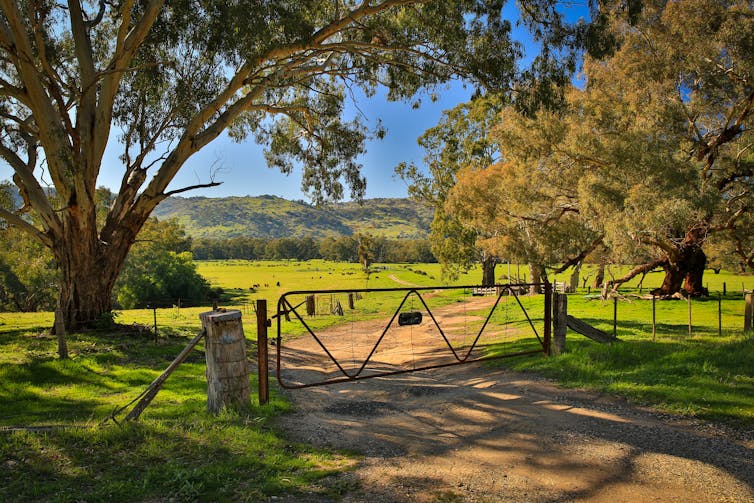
x=270, y=216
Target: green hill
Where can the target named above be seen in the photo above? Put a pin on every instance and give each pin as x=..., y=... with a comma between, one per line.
x=270, y=216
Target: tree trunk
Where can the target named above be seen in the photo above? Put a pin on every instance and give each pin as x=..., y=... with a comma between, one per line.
x=574, y=280
x=537, y=276
x=85, y=290
x=599, y=279
x=488, y=271
x=686, y=273
x=88, y=269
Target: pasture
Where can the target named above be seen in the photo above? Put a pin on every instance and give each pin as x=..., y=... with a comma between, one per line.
x=52, y=408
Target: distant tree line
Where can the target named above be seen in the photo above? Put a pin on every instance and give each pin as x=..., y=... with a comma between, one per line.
x=160, y=269
x=339, y=249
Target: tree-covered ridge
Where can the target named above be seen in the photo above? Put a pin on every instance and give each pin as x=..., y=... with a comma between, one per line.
x=275, y=217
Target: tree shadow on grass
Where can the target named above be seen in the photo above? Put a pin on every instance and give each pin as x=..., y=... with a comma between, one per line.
x=104, y=371
x=200, y=459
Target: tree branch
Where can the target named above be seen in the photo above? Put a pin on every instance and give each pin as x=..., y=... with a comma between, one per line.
x=47, y=117
x=191, y=187
x=126, y=45
x=640, y=269
x=572, y=261
x=19, y=222
x=31, y=187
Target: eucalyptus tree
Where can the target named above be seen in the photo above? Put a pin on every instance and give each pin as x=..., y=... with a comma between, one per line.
x=526, y=206
x=671, y=163
x=158, y=80
x=460, y=141
x=656, y=150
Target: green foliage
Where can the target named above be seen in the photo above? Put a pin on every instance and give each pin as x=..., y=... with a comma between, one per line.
x=28, y=278
x=160, y=270
x=459, y=141
x=650, y=158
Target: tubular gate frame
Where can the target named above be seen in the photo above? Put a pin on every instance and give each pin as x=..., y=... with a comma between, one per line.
x=284, y=309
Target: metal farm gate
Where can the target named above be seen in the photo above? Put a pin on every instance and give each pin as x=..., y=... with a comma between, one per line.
x=334, y=336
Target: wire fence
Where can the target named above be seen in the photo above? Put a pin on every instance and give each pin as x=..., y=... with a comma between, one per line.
x=631, y=313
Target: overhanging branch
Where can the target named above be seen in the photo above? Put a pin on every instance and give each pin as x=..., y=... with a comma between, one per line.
x=572, y=261
x=640, y=269
x=192, y=187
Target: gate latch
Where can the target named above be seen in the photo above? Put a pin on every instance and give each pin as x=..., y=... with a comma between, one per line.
x=410, y=318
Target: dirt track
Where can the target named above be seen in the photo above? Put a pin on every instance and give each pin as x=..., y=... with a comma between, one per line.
x=471, y=433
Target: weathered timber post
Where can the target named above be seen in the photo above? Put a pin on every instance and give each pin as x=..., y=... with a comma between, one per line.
x=719, y=314
x=547, y=318
x=654, y=317
x=559, y=322
x=747, y=312
x=227, y=368
x=262, y=350
x=154, y=312
x=60, y=332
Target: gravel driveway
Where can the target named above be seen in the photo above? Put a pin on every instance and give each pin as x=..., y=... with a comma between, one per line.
x=479, y=434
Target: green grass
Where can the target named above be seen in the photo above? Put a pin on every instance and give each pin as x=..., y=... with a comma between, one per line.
x=275, y=278
x=706, y=374
x=176, y=449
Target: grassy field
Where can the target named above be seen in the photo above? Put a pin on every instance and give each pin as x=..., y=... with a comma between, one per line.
x=178, y=449
x=52, y=411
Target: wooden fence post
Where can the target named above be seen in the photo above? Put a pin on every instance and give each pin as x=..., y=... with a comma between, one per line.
x=227, y=368
x=547, y=318
x=654, y=317
x=719, y=314
x=559, y=322
x=262, y=350
x=60, y=332
x=747, y=312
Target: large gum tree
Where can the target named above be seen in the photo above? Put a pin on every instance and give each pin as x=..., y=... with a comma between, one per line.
x=161, y=79
x=650, y=161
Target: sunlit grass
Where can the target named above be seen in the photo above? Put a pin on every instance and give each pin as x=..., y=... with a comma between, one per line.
x=176, y=450
x=707, y=374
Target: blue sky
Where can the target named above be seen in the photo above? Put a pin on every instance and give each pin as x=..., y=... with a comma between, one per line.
x=242, y=169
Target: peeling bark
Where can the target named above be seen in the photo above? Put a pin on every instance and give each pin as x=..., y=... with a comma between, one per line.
x=89, y=268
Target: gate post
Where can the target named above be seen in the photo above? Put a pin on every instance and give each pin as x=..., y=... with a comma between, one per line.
x=548, y=318
x=559, y=322
x=262, y=351
x=227, y=368
x=748, y=311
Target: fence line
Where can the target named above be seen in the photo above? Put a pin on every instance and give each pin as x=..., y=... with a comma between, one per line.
x=712, y=314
